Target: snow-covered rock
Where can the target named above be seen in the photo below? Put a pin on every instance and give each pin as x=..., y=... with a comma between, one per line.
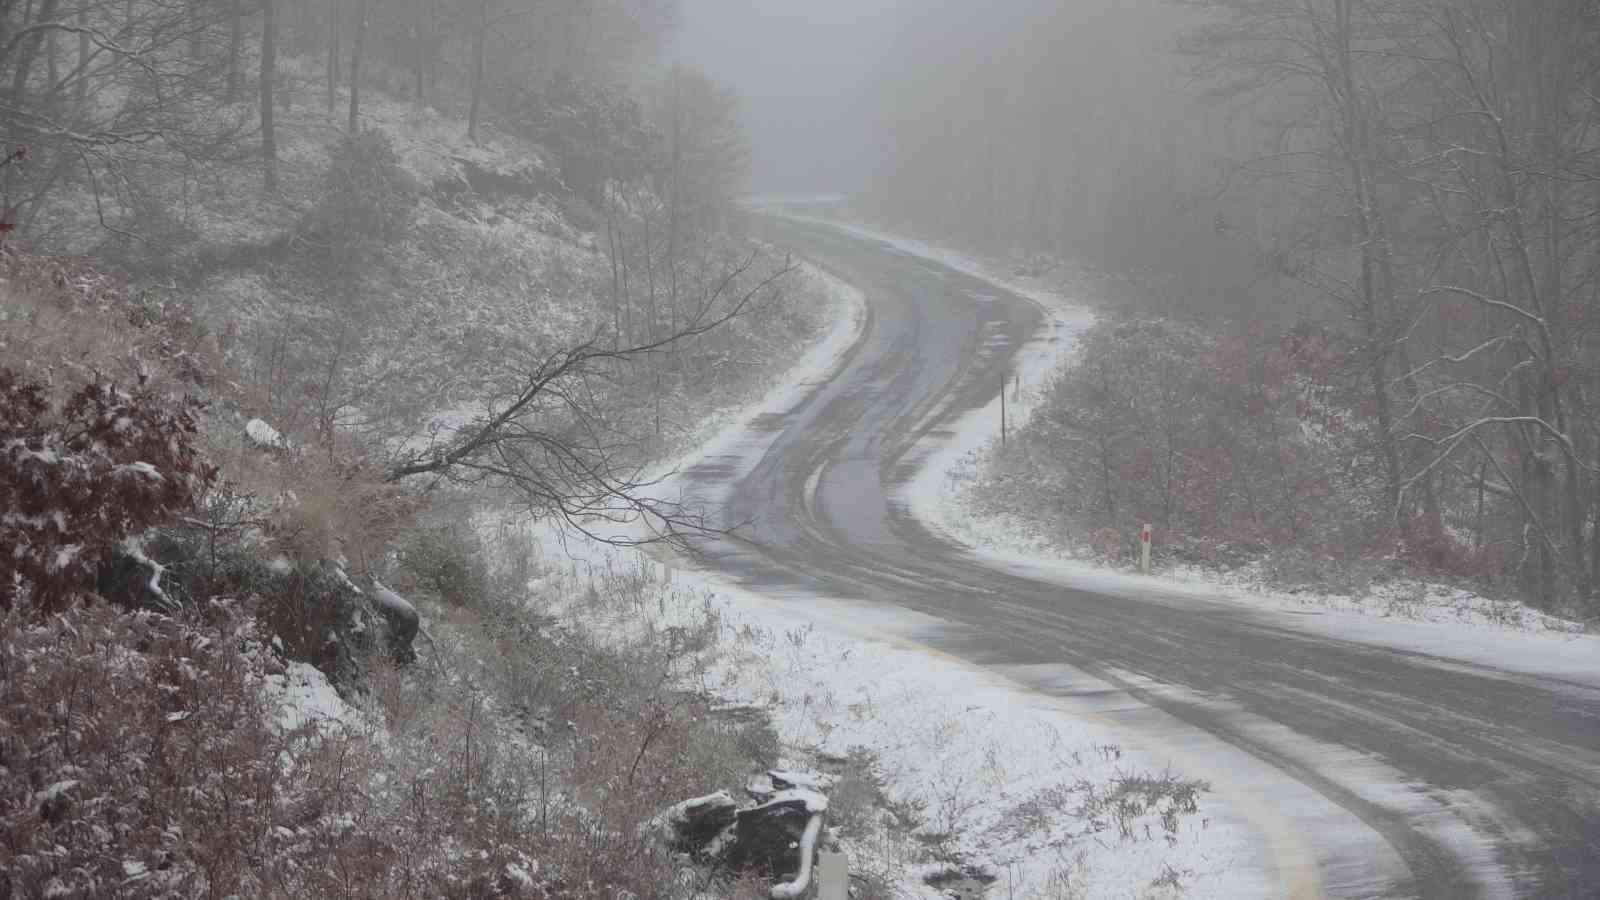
x=777, y=836
x=692, y=826
x=400, y=616
x=263, y=435
x=305, y=696
x=132, y=578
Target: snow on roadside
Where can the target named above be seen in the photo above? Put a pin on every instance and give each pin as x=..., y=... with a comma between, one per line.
x=1003, y=771
x=305, y=696
x=933, y=495
x=1407, y=614
x=999, y=774
x=725, y=436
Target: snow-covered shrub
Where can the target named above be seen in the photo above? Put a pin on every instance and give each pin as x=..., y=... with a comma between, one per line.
x=367, y=199
x=137, y=755
x=146, y=756
x=1229, y=445
x=597, y=131
x=445, y=562
x=78, y=482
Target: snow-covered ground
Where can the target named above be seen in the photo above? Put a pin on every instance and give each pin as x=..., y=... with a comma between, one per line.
x=983, y=756
x=1002, y=770
x=305, y=696
x=1409, y=614
x=999, y=774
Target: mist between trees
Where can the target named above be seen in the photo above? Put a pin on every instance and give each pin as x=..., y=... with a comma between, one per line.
x=1374, y=226
x=389, y=213
x=295, y=297
x=438, y=246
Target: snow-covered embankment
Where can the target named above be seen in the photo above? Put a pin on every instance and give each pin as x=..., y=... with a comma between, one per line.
x=1004, y=780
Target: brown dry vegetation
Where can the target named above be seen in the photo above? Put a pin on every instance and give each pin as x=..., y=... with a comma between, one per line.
x=141, y=753
x=141, y=757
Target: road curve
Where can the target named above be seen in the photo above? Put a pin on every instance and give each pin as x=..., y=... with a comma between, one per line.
x=1407, y=775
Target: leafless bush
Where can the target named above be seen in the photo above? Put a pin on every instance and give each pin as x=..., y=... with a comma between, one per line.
x=140, y=757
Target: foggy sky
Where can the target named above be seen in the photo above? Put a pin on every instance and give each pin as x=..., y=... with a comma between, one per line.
x=801, y=68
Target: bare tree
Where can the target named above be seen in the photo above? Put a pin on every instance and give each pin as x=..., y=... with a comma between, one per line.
x=544, y=438
x=132, y=101
x=269, y=73
x=357, y=47
x=235, y=48
x=333, y=53
x=480, y=52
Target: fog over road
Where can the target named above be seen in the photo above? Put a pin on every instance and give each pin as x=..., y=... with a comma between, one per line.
x=1368, y=771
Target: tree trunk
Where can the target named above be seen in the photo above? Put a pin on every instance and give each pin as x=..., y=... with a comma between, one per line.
x=479, y=42
x=1104, y=417
x=235, y=48
x=419, y=57
x=269, y=68
x=196, y=16
x=675, y=193
x=649, y=274
x=30, y=49
x=333, y=53
x=1594, y=540
x=52, y=57
x=355, y=68
x=1376, y=283
x=618, y=338
x=81, y=87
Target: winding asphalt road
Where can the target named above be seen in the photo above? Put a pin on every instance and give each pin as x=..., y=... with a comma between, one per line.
x=1385, y=773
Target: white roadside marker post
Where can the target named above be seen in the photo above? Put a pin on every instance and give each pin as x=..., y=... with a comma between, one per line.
x=1144, y=549
x=833, y=876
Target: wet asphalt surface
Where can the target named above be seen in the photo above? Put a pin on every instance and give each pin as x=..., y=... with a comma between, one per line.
x=1490, y=781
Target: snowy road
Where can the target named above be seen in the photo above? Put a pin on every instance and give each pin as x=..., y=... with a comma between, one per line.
x=1370, y=771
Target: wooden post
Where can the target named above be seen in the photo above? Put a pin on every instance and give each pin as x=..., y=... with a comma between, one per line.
x=1002, y=410
x=833, y=876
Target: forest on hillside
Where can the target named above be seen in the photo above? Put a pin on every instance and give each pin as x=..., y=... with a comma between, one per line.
x=1354, y=247
x=309, y=312
x=362, y=202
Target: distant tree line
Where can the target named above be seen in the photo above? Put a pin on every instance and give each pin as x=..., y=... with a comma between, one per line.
x=1395, y=200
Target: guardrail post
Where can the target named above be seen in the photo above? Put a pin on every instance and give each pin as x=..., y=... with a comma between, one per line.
x=833, y=877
